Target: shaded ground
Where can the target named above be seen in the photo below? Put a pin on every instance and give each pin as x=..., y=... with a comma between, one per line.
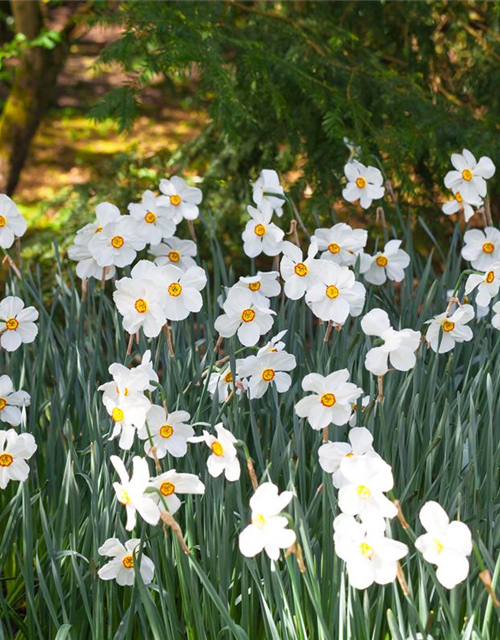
x=69, y=147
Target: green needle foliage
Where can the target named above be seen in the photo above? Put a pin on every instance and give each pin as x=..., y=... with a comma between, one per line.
x=437, y=426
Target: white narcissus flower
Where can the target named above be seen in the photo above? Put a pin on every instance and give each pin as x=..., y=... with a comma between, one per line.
x=446, y=544
x=331, y=454
x=389, y=263
x=17, y=323
x=495, y=321
x=127, y=381
x=170, y=484
x=168, y=433
x=353, y=420
x=260, y=234
x=336, y=294
x=224, y=457
x=12, y=223
x=367, y=478
x=128, y=414
x=482, y=248
x=140, y=301
x=266, y=369
x=180, y=200
x=181, y=290
x=469, y=177
x=245, y=316
x=10, y=401
x=445, y=331
x=263, y=283
x=399, y=346
x=175, y=251
x=331, y=399
x=274, y=344
x=153, y=219
x=298, y=273
x=369, y=555
x=221, y=382
x=268, y=530
x=266, y=184
x=341, y=243
x=458, y=203
x=117, y=243
x=15, y=449
x=130, y=492
x=487, y=284
x=364, y=184
x=121, y=567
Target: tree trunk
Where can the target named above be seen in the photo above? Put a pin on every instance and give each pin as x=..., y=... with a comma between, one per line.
x=30, y=95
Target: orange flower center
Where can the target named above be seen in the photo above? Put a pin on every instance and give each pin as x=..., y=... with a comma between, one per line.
x=334, y=248
x=458, y=197
x=328, y=400
x=217, y=448
x=248, y=315
x=167, y=489
x=141, y=306
x=3, y=403
x=174, y=256
x=150, y=217
x=467, y=174
x=268, y=374
x=332, y=291
x=175, y=289
x=301, y=269
x=228, y=377
x=166, y=431
x=128, y=562
x=254, y=286
x=490, y=276
x=381, y=261
x=12, y=324
x=488, y=247
x=6, y=459
x=3, y=221
x=117, y=242
x=259, y=230
x=175, y=200
x=360, y=182
x=448, y=326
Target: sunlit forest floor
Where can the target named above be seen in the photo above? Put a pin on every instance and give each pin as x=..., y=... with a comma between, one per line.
x=70, y=148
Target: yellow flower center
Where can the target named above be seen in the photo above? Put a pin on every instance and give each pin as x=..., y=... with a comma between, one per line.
x=301, y=269
x=334, y=248
x=174, y=256
x=448, y=325
x=150, y=217
x=254, y=286
x=488, y=247
x=122, y=496
x=366, y=550
x=258, y=520
x=12, y=324
x=117, y=242
x=363, y=492
x=166, y=431
x=438, y=547
x=490, y=276
x=141, y=306
x=217, y=448
x=167, y=489
x=6, y=459
x=360, y=182
x=117, y=414
x=458, y=197
x=381, y=261
x=349, y=455
x=175, y=289
x=175, y=200
x=259, y=230
x=467, y=174
x=98, y=230
x=332, y=291
x=268, y=374
x=248, y=315
x=228, y=377
x=128, y=562
x=3, y=403
x=3, y=221
x=328, y=399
